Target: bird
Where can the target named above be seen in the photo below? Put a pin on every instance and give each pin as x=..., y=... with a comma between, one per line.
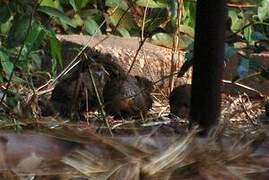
x=180, y=100
x=108, y=62
x=127, y=96
x=77, y=92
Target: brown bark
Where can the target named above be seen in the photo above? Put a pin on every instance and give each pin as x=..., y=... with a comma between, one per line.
x=152, y=62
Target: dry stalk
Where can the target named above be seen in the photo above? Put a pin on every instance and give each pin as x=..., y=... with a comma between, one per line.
x=246, y=110
x=243, y=86
x=175, y=52
x=100, y=103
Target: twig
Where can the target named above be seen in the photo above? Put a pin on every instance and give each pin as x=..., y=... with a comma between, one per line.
x=144, y=20
x=100, y=102
x=241, y=6
x=141, y=43
x=87, y=104
x=142, y=39
x=246, y=111
x=243, y=86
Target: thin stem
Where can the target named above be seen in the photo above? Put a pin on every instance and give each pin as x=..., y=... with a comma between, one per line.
x=175, y=52
x=100, y=102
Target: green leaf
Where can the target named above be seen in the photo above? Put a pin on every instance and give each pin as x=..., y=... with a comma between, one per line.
x=57, y=14
x=162, y=39
x=187, y=30
x=1, y=79
x=5, y=27
x=117, y=3
x=126, y=19
x=37, y=61
x=237, y=23
x=78, y=4
x=32, y=43
x=247, y=33
x=190, y=14
x=75, y=4
x=77, y=20
x=166, y=40
x=55, y=50
x=5, y=13
x=86, y=13
x=6, y=64
x=152, y=3
x=123, y=32
x=18, y=31
x=51, y=3
x=263, y=11
x=174, y=12
x=33, y=39
x=92, y=27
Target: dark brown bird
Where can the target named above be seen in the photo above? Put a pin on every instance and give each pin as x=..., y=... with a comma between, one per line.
x=71, y=49
x=127, y=96
x=76, y=93
x=72, y=91
x=180, y=100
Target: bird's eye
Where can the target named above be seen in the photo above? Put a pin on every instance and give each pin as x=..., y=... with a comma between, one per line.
x=99, y=73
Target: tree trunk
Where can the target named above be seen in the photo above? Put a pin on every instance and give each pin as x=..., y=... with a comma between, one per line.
x=208, y=63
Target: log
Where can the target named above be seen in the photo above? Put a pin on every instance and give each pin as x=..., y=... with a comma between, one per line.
x=152, y=61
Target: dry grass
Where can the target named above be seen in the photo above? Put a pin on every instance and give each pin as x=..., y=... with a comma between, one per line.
x=151, y=148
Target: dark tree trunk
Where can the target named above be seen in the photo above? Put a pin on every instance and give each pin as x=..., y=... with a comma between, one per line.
x=208, y=63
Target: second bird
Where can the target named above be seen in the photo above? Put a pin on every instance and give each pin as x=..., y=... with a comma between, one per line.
x=180, y=101
x=128, y=96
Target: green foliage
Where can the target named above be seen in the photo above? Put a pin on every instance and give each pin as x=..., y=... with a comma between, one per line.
x=18, y=31
x=251, y=25
x=92, y=27
x=55, y=49
x=152, y=3
x=122, y=19
x=117, y=3
x=78, y=4
x=6, y=64
x=33, y=26
x=55, y=13
x=5, y=13
x=263, y=10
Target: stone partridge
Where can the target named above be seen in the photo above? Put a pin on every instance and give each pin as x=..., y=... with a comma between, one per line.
x=127, y=96
x=179, y=101
x=76, y=93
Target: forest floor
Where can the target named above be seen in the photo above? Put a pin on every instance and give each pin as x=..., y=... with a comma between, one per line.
x=157, y=146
